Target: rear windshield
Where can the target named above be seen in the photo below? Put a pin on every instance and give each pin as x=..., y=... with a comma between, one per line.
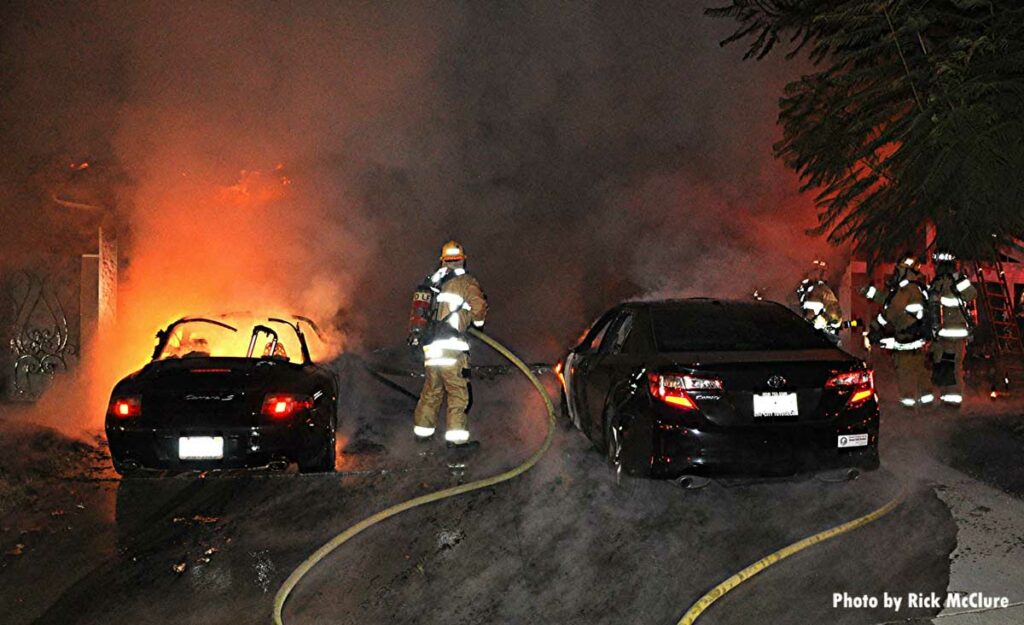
x=708, y=327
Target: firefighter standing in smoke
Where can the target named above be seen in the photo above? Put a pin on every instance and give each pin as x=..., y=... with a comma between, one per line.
x=443, y=307
x=903, y=329
x=949, y=294
x=819, y=304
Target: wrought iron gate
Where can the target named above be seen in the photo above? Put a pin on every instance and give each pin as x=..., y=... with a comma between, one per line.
x=40, y=328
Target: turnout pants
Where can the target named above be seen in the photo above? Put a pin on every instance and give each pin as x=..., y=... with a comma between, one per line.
x=912, y=376
x=452, y=380
x=948, y=369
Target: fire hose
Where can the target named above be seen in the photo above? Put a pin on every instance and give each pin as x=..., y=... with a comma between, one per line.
x=339, y=540
x=721, y=589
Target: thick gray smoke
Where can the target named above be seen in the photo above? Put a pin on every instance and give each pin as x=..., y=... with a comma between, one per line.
x=315, y=156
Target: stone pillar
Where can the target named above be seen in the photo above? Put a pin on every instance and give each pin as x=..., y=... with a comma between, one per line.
x=98, y=291
x=107, y=281
x=88, y=300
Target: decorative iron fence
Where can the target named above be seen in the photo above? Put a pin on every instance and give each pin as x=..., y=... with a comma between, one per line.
x=40, y=328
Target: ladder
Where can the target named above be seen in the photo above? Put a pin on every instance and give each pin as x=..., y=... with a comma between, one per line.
x=997, y=304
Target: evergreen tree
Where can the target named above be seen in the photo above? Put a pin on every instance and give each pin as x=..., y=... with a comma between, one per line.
x=914, y=115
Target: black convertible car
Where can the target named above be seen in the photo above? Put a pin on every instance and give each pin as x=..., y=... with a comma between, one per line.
x=707, y=387
x=225, y=392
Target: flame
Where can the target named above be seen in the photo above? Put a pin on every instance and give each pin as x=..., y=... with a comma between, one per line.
x=202, y=248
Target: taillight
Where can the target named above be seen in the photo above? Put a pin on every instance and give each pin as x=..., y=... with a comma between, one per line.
x=672, y=389
x=558, y=374
x=860, y=383
x=281, y=406
x=126, y=407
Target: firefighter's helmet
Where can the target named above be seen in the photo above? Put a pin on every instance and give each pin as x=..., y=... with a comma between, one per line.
x=452, y=251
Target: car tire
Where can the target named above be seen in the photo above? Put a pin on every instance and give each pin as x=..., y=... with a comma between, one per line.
x=563, y=411
x=620, y=449
x=121, y=470
x=613, y=450
x=323, y=460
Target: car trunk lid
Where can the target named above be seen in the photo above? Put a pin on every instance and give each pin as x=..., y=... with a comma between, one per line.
x=787, y=387
x=208, y=392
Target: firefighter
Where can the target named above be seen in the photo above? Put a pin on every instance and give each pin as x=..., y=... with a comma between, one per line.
x=457, y=301
x=902, y=328
x=952, y=326
x=819, y=304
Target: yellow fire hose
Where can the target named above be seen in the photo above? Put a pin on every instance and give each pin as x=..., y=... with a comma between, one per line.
x=342, y=538
x=720, y=590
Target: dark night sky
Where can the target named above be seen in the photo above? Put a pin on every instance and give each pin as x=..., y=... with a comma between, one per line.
x=583, y=152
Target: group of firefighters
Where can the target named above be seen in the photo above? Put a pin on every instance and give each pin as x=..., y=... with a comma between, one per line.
x=924, y=325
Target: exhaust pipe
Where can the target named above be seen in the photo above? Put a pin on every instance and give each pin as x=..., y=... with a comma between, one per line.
x=691, y=482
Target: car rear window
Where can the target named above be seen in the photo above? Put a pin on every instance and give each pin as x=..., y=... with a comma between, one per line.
x=709, y=326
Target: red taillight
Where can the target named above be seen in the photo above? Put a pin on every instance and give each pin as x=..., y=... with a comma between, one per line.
x=126, y=407
x=861, y=383
x=851, y=379
x=210, y=370
x=672, y=389
x=283, y=406
x=558, y=374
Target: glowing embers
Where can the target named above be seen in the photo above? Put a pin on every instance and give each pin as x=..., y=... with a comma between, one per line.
x=282, y=406
x=126, y=407
x=672, y=389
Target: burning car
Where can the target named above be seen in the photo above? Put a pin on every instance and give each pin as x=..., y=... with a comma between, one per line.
x=226, y=392
x=706, y=387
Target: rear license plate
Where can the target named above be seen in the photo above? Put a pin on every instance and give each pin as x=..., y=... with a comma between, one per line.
x=853, y=440
x=775, y=405
x=201, y=447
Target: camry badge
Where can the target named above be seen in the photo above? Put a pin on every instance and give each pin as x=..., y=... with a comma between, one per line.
x=776, y=381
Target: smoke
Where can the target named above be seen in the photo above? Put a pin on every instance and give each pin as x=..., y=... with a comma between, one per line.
x=312, y=158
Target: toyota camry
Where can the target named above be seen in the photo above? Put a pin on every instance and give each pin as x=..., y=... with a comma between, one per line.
x=712, y=387
x=225, y=392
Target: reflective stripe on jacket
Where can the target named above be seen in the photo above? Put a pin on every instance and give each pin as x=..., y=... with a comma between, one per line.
x=460, y=302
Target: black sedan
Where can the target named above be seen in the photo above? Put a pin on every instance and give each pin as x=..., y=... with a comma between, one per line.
x=707, y=387
x=225, y=392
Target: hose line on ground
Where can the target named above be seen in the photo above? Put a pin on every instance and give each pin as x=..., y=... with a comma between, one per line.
x=342, y=538
x=720, y=590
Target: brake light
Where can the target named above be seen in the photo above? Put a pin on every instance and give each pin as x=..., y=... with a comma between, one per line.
x=281, y=406
x=672, y=389
x=210, y=370
x=126, y=407
x=860, y=383
x=852, y=379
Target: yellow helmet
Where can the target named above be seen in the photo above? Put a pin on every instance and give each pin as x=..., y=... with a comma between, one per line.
x=452, y=251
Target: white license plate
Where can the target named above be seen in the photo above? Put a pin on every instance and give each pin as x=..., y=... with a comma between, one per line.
x=775, y=405
x=853, y=440
x=200, y=447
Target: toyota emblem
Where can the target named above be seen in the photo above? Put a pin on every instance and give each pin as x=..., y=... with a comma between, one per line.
x=776, y=381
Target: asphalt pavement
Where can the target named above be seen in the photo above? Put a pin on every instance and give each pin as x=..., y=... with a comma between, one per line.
x=565, y=543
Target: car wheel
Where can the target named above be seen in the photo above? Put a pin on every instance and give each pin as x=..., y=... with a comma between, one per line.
x=121, y=469
x=322, y=461
x=563, y=411
x=613, y=451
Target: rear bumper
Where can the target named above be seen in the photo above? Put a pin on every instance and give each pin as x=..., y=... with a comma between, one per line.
x=706, y=449
x=256, y=446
